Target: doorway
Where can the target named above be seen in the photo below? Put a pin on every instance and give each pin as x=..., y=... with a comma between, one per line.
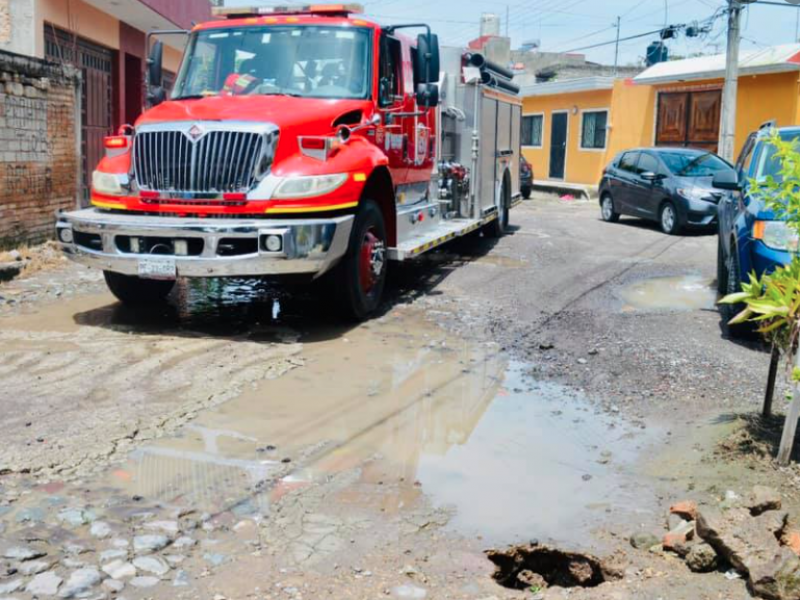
x=689, y=119
x=558, y=144
x=134, y=88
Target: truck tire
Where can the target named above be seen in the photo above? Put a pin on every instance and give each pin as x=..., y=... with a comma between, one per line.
x=499, y=226
x=361, y=276
x=136, y=291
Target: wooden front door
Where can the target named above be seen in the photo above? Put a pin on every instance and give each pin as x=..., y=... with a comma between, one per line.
x=689, y=119
x=95, y=63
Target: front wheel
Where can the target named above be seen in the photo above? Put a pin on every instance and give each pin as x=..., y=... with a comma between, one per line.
x=136, y=291
x=669, y=220
x=733, y=285
x=361, y=276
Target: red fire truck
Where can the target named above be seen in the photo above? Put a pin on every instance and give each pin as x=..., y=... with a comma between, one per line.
x=304, y=142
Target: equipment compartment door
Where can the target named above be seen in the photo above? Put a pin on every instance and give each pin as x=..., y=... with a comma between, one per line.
x=558, y=145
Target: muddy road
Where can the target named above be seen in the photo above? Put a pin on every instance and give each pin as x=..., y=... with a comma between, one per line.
x=563, y=385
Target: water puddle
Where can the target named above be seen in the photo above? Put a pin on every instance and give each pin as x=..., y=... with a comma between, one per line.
x=686, y=293
x=412, y=417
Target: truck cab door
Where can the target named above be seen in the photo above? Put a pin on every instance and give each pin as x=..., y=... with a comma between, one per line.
x=392, y=136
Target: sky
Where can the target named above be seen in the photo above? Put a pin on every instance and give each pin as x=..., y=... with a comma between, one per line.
x=570, y=25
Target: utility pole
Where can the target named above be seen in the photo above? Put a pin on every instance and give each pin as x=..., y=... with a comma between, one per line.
x=616, y=49
x=507, y=14
x=727, y=133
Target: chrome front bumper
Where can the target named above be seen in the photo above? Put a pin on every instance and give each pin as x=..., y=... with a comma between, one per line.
x=102, y=240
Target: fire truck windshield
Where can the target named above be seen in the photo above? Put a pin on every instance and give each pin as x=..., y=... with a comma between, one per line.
x=305, y=61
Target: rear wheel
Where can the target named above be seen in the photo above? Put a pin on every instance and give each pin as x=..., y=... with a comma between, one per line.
x=499, y=227
x=136, y=291
x=607, y=209
x=361, y=276
x=668, y=219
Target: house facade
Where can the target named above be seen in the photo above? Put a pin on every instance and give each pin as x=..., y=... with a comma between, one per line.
x=572, y=129
x=105, y=41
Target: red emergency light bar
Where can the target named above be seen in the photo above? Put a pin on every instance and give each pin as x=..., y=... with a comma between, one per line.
x=238, y=12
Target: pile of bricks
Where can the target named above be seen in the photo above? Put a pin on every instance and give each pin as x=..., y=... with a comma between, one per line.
x=39, y=156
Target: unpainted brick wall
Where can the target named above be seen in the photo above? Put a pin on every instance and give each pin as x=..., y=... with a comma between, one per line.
x=38, y=154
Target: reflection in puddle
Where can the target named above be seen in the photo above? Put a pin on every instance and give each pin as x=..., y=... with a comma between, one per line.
x=671, y=293
x=417, y=416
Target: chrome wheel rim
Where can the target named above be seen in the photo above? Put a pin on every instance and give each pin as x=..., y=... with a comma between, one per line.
x=667, y=218
x=608, y=208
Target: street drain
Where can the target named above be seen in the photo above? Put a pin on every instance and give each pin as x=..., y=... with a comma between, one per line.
x=537, y=566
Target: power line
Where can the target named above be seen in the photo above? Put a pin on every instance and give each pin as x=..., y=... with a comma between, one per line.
x=625, y=39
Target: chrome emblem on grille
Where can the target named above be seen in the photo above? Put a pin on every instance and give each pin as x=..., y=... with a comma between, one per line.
x=196, y=132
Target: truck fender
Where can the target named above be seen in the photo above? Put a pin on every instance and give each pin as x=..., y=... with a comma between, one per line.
x=380, y=189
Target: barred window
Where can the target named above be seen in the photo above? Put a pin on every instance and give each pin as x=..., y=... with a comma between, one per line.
x=532, y=130
x=594, y=130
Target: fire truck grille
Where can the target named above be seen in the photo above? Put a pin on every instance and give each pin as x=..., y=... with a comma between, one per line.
x=218, y=162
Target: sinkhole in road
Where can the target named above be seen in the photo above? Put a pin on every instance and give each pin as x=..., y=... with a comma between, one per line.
x=685, y=293
x=418, y=417
x=537, y=567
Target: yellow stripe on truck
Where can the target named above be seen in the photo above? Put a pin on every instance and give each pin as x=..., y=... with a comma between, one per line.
x=307, y=209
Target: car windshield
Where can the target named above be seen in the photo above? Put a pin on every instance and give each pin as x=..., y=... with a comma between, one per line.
x=768, y=165
x=689, y=164
x=306, y=61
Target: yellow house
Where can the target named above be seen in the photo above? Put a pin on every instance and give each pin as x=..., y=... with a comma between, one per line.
x=572, y=129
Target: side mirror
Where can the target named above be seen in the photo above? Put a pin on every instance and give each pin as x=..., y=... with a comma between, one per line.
x=427, y=95
x=156, y=96
x=727, y=180
x=428, y=57
x=154, y=64
x=650, y=176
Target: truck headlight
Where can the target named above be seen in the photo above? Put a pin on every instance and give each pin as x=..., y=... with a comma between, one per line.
x=308, y=186
x=777, y=235
x=696, y=193
x=106, y=183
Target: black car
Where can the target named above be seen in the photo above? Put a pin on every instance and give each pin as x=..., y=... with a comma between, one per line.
x=671, y=186
x=525, y=177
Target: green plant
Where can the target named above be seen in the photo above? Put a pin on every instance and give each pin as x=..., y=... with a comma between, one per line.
x=772, y=301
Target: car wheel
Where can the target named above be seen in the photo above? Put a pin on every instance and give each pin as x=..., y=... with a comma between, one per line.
x=361, y=276
x=607, y=210
x=722, y=272
x=136, y=291
x=668, y=219
x=733, y=285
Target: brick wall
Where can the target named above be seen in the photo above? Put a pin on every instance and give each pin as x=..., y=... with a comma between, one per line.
x=38, y=154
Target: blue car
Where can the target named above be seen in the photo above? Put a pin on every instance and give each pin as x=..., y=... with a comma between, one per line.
x=751, y=239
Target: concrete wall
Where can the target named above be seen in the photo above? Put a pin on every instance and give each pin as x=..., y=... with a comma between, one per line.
x=16, y=26
x=38, y=153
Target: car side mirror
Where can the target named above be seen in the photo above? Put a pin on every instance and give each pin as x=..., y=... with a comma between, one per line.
x=649, y=176
x=427, y=95
x=727, y=180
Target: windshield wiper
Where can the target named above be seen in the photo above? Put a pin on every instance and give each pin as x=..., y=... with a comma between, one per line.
x=290, y=94
x=191, y=97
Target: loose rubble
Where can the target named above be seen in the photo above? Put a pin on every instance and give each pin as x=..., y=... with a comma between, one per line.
x=751, y=535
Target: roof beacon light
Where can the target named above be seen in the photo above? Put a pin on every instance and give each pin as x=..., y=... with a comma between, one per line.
x=237, y=12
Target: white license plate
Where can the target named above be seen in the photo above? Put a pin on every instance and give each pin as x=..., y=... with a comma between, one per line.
x=157, y=267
